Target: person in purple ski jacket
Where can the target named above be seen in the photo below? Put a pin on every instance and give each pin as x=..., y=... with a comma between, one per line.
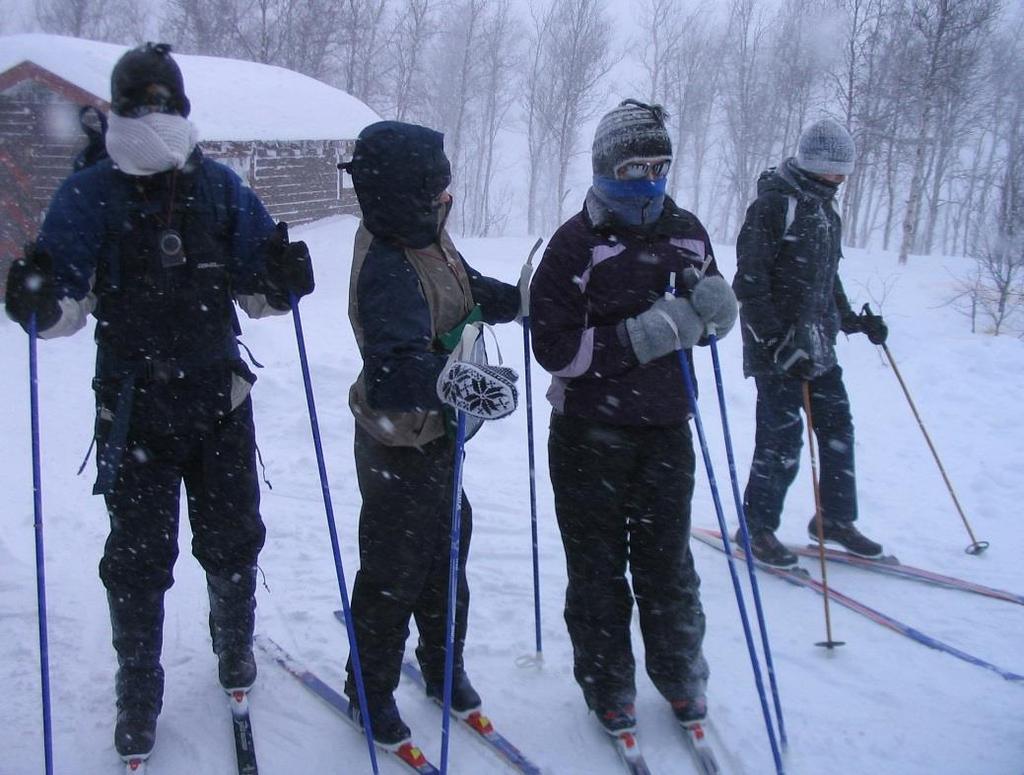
x=609, y=328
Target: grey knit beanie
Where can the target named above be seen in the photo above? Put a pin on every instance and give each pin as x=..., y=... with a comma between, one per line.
x=629, y=131
x=826, y=148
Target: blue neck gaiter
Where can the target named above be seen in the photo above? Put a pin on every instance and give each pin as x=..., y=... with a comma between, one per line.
x=632, y=202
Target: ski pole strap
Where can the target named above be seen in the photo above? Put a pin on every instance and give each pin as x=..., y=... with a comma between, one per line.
x=128, y=373
x=111, y=450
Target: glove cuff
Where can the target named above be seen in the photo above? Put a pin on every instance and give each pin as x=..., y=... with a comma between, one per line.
x=850, y=323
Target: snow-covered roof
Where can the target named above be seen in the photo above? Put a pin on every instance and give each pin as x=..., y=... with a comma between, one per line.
x=231, y=99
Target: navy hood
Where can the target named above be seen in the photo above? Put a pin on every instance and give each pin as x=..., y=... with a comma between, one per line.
x=398, y=171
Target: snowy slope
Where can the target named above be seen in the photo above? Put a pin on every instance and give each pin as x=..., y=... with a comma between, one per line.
x=881, y=704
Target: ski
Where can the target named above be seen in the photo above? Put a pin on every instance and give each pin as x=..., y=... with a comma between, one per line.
x=696, y=735
x=801, y=578
x=628, y=748
x=893, y=567
x=135, y=765
x=475, y=721
x=245, y=750
x=483, y=730
x=408, y=753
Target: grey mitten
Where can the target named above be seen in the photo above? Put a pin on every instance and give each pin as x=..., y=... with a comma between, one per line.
x=670, y=324
x=715, y=302
x=479, y=390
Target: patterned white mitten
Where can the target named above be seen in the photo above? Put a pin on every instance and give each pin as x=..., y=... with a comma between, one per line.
x=479, y=390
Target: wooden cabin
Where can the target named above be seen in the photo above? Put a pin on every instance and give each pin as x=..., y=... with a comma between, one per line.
x=284, y=133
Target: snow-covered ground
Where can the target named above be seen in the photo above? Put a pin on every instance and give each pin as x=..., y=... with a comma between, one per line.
x=880, y=704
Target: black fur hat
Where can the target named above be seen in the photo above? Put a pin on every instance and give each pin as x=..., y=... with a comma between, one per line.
x=140, y=68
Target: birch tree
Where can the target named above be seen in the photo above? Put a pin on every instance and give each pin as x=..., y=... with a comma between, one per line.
x=941, y=30
x=498, y=60
x=202, y=26
x=363, y=39
x=675, y=52
x=747, y=101
x=454, y=94
x=119, y=21
x=538, y=96
x=574, y=58
x=407, y=51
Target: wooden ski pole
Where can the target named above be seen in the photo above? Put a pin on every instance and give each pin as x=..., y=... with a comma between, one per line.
x=828, y=643
x=976, y=546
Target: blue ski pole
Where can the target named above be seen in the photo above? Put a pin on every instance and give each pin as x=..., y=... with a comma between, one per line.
x=326, y=490
x=691, y=394
x=37, y=507
x=533, y=475
x=453, y=581
x=745, y=536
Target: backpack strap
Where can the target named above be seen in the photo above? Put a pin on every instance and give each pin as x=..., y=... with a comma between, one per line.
x=790, y=215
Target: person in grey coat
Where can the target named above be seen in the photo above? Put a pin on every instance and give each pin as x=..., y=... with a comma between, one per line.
x=792, y=308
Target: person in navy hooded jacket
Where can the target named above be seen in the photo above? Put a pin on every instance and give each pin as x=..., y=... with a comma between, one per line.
x=793, y=307
x=159, y=243
x=608, y=328
x=410, y=294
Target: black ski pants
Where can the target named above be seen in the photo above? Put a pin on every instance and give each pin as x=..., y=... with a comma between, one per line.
x=622, y=499
x=404, y=551
x=218, y=467
x=779, y=438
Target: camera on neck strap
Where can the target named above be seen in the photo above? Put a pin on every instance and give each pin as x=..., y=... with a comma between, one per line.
x=172, y=249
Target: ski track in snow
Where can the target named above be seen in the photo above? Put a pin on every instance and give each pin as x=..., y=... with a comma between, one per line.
x=881, y=703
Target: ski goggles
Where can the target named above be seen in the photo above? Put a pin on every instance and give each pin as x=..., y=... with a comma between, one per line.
x=639, y=169
x=156, y=99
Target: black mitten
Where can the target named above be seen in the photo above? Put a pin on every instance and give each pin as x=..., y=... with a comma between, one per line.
x=850, y=323
x=31, y=290
x=289, y=265
x=875, y=328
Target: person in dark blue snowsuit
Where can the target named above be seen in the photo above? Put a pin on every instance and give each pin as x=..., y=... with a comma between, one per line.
x=792, y=307
x=159, y=243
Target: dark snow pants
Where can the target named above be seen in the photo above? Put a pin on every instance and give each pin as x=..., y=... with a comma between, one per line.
x=779, y=438
x=404, y=550
x=218, y=468
x=622, y=499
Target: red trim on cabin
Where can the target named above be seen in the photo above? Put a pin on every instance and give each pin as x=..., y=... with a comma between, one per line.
x=30, y=71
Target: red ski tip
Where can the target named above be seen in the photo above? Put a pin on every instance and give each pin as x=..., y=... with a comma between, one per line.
x=628, y=740
x=408, y=752
x=480, y=723
x=136, y=765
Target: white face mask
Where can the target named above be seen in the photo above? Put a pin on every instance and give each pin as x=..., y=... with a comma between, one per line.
x=153, y=143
